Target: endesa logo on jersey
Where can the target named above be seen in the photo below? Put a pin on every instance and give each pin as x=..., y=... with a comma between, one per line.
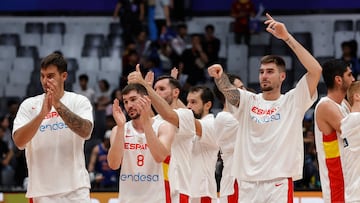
x=264, y=115
x=140, y=177
x=59, y=125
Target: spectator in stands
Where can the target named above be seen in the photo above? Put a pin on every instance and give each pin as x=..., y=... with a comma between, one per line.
x=241, y=11
x=101, y=175
x=194, y=60
x=166, y=55
x=143, y=45
x=153, y=63
x=13, y=107
x=177, y=11
x=6, y=155
x=162, y=15
x=179, y=42
x=103, y=95
x=349, y=55
x=5, y=124
x=84, y=89
x=132, y=58
x=131, y=14
x=115, y=94
x=211, y=45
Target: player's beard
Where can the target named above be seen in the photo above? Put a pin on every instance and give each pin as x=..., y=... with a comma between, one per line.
x=266, y=88
x=169, y=99
x=198, y=115
x=344, y=86
x=133, y=114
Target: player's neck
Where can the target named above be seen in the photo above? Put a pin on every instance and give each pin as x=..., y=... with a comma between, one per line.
x=271, y=95
x=355, y=107
x=138, y=126
x=336, y=95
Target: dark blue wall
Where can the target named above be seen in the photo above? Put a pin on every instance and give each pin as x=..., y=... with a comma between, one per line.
x=197, y=5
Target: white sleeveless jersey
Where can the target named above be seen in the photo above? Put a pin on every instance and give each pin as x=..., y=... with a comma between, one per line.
x=329, y=148
x=350, y=132
x=270, y=142
x=179, y=166
x=203, y=160
x=141, y=177
x=55, y=155
x=226, y=127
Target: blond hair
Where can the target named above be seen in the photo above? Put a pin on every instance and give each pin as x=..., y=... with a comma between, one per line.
x=353, y=89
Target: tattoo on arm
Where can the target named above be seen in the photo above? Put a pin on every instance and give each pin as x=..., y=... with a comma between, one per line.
x=290, y=43
x=80, y=126
x=230, y=92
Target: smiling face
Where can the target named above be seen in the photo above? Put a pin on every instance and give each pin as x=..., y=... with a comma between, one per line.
x=51, y=72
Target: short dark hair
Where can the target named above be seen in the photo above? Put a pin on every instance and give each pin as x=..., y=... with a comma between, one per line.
x=56, y=60
x=209, y=27
x=206, y=94
x=331, y=69
x=106, y=83
x=134, y=87
x=181, y=25
x=279, y=61
x=174, y=83
x=84, y=77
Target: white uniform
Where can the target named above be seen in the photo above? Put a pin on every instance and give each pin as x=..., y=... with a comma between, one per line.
x=226, y=127
x=203, y=160
x=270, y=141
x=141, y=177
x=179, y=167
x=329, y=149
x=350, y=132
x=55, y=155
x=271, y=132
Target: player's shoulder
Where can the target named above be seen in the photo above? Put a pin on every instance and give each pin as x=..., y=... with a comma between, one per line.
x=75, y=96
x=33, y=99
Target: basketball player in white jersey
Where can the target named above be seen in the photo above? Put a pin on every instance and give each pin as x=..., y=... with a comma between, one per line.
x=52, y=128
x=328, y=114
x=204, y=152
x=165, y=100
x=226, y=127
x=350, y=133
x=140, y=146
x=269, y=152
x=166, y=103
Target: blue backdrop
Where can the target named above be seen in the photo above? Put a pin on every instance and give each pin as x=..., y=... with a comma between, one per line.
x=197, y=5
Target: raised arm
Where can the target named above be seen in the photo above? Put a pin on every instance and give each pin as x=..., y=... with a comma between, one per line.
x=159, y=144
x=25, y=133
x=116, y=150
x=222, y=81
x=160, y=105
x=312, y=66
